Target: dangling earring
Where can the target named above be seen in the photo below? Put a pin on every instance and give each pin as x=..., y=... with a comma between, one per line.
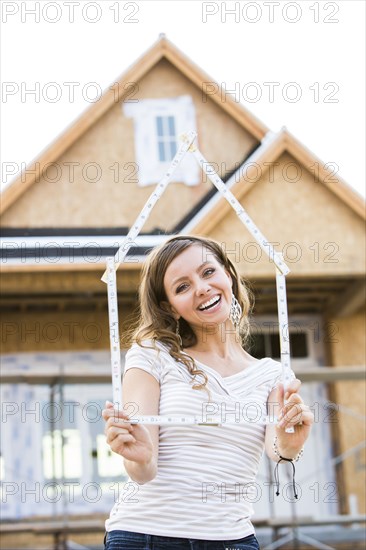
x=235, y=312
x=178, y=334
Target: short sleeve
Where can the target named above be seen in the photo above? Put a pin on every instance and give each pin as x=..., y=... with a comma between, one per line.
x=144, y=358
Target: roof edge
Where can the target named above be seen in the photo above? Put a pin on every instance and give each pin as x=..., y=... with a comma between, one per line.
x=274, y=145
x=161, y=48
x=340, y=187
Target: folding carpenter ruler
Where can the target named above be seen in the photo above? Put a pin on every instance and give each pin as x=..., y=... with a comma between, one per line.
x=109, y=276
x=177, y=420
x=113, y=263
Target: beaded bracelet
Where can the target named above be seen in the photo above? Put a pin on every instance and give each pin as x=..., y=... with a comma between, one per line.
x=291, y=460
x=277, y=453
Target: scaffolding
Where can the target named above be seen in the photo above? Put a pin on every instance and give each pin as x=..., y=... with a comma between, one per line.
x=282, y=531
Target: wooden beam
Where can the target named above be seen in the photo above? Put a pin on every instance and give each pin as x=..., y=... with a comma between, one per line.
x=45, y=526
x=349, y=302
x=47, y=267
x=73, y=525
x=329, y=520
x=74, y=282
x=57, y=304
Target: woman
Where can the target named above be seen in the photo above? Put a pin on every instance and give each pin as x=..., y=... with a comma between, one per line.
x=191, y=486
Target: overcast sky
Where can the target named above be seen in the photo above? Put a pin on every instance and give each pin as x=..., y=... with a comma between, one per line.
x=294, y=64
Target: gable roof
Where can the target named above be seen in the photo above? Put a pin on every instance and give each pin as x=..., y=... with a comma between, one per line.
x=271, y=148
x=213, y=207
x=211, y=210
x=163, y=48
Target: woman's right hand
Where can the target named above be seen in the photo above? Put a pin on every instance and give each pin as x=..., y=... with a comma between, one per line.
x=132, y=441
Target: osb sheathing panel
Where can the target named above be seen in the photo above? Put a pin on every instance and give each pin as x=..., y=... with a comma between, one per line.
x=110, y=141
x=59, y=331
x=349, y=348
x=316, y=232
x=59, y=283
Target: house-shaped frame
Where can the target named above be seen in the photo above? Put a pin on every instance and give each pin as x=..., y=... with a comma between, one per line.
x=109, y=276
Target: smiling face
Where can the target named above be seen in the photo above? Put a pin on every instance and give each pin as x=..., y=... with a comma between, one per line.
x=198, y=287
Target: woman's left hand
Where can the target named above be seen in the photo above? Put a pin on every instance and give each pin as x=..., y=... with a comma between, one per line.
x=294, y=413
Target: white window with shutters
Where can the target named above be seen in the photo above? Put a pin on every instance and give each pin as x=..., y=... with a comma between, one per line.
x=158, y=123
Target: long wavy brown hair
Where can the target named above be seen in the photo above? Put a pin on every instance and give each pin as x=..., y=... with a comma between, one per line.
x=156, y=323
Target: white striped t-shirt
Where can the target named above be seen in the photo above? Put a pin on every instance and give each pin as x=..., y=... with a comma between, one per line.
x=205, y=483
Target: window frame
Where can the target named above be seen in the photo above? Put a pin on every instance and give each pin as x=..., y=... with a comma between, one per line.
x=144, y=113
